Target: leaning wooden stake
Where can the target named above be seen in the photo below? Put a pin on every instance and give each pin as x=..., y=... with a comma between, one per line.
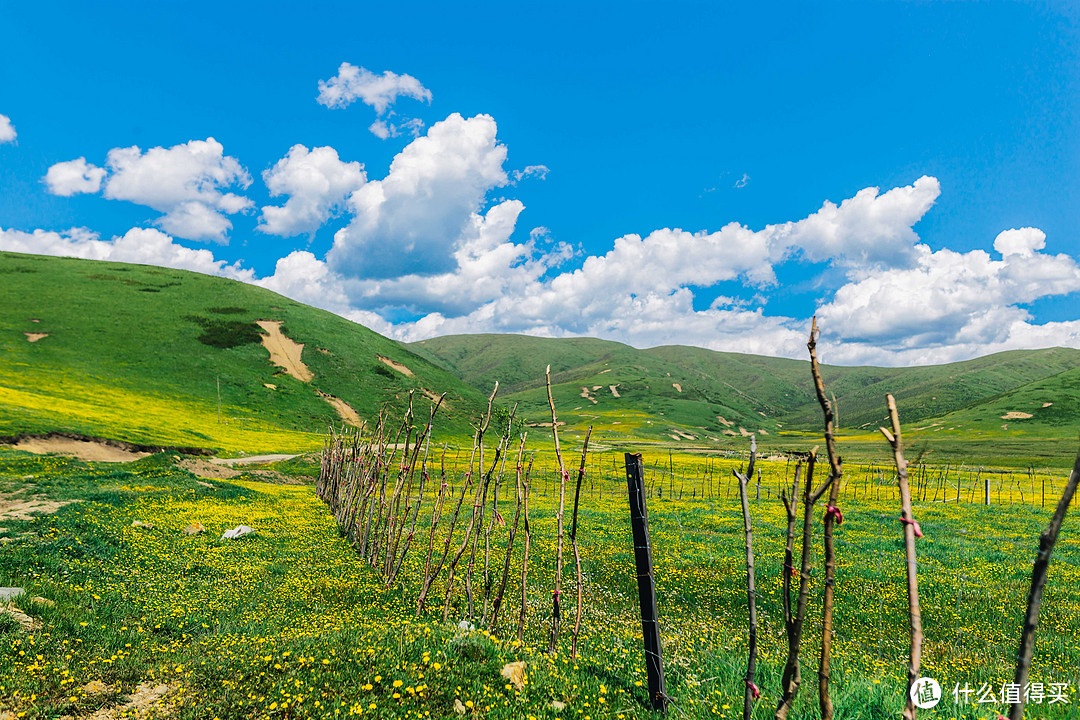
x=555, y=608
x=793, y=673
x=497, y=604
x=525, y=555
x=832, y=515
x=911, y=531
x=573, y=542
x=751, y=692
x=1047, y=540
x=650, y=627
x=436, y=515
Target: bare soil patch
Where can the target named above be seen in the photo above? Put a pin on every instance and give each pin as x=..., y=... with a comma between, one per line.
x=613, y=389
x=1016, y=415
x=147, y=698
x=206, y=469
x=86, y=450
x=395, y=365
x=587, y=395
x=343, y=409
x=34, y=337
x=14, y=507
x=677, y=387
x=284, y=352
x=251, y=460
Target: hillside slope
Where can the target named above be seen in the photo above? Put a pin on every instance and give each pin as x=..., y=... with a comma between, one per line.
x=138, y=353
x=676, y=392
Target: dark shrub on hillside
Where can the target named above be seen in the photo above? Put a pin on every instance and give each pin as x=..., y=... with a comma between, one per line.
x=225, y=333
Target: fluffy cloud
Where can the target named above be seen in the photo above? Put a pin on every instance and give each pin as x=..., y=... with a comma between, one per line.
x=303, y=277
x=412, y=221
x=317, y=183
x=1023, y=241
x=185, y=182
x=869, y=229
x=952, y=305
x=7, y=130
x=377, y=91
x=74, y=177
x=145, y=246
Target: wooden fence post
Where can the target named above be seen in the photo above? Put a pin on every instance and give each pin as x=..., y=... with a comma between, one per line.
x=650, y=628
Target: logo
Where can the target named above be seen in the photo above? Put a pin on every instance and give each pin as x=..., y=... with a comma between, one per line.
x=925, y=693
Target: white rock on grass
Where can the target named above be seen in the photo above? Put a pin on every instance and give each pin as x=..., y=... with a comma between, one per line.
x=10, y=593
x=237, y=532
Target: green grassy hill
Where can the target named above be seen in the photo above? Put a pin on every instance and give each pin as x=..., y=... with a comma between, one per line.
x=687, y=395
x=136, y=353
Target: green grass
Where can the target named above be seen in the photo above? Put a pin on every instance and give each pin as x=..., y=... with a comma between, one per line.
x=291, y=623
x=138, y=353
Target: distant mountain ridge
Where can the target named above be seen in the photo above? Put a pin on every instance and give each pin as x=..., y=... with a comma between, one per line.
x=673, y=390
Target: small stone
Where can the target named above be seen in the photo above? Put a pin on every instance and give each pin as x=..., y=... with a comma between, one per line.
x=43, y=601
x=556, y=705
x=237, y=532
x=141, y=524
x=95, y=687
x=458, y=707
x=10, y=593
x=25, y=621
x=7, y=715
x=194, y=529
x=515, y=673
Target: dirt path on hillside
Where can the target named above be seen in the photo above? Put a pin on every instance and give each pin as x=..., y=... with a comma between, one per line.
x=251, y=460
x=86, y=450
x=395, y=364
x=343, y=409
x=284, y=352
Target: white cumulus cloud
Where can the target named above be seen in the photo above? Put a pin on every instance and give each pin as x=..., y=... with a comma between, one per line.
x=868, y=229
x=185, y=182
x=303, y=277
x=74, y=177
x=380, y=91
x=411, y=221
x=145, y=246
x=951, y=305
x=1020, y=241
x=316, y=182
x=7, y=130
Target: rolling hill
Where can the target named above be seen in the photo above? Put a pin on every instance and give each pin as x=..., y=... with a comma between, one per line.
x=140, y=354
x=172, y=358
x=688, y=394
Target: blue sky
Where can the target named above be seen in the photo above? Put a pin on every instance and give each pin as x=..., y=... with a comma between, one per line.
x=907, y=170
